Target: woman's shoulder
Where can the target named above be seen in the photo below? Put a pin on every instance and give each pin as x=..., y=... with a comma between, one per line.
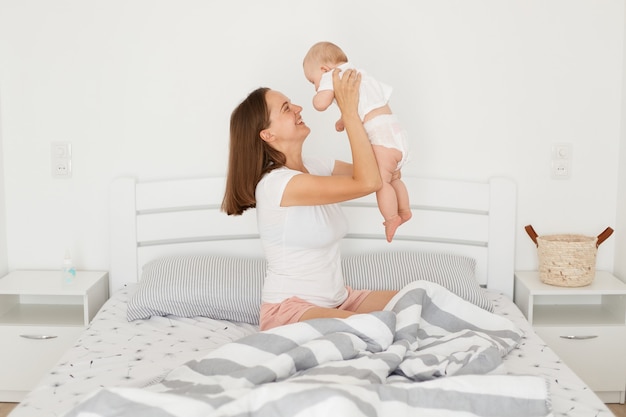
x=277, y=173
x=270, y=188
x=314, y=164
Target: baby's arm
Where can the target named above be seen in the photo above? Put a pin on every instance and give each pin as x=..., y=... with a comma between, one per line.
x=339, y=126
x=323, y=99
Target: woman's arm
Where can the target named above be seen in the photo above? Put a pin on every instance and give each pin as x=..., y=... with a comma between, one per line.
x=309, y=190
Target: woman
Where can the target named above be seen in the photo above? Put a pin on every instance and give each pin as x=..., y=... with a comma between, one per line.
x=299, y=220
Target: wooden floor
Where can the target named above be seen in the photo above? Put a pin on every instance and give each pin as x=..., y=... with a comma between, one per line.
x=618, y=409
x=5, y=408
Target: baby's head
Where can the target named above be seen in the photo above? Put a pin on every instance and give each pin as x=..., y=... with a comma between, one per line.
x=321, y=58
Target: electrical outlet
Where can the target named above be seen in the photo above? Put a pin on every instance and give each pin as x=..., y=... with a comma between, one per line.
x=560, y=169
x=561, y=161
x=61, y=159
x=62, y=168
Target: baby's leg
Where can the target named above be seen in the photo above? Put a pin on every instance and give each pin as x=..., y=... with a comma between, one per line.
x=388, y=159
x=402, y=196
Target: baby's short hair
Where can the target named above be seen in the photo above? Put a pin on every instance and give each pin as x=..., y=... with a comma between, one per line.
x=326, y=52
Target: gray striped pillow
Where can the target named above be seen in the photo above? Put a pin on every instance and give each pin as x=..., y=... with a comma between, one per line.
x=219, y=287
x=394, y=270
x=229, y=288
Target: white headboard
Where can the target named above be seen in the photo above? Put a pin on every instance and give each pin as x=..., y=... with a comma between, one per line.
x=182, y=216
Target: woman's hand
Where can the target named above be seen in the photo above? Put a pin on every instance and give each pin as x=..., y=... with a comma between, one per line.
x=348, y=182
x=347, y=91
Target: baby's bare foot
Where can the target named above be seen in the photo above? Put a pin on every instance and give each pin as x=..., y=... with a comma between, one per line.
x=391, y=225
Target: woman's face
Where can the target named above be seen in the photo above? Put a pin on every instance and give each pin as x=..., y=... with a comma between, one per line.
x=285, y=120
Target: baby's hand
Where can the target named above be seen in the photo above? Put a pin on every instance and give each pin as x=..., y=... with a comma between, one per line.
x=339, y=125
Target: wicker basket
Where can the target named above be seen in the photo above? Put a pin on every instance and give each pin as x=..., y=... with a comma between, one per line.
x=567, y=260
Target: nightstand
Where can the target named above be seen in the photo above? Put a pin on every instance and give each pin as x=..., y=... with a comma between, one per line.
x=40, y=318
x=585, y=326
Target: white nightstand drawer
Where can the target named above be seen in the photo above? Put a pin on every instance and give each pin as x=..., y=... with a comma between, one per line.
x=594, y=353
x=41, y=316
x=24, y=360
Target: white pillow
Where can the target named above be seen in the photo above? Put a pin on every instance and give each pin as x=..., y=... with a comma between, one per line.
x=394, y=270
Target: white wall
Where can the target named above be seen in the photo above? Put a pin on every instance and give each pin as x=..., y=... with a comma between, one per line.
x=146, y=87
x=620, y=246
x=3, y=224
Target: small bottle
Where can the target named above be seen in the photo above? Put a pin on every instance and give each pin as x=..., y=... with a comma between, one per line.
x=68, y=272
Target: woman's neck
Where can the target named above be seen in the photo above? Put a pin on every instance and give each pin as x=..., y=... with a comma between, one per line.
x=296, y=163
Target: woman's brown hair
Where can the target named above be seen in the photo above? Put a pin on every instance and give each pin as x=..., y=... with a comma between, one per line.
x=250, y=157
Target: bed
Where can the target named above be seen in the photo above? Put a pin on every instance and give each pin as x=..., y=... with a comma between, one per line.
x=185, y=282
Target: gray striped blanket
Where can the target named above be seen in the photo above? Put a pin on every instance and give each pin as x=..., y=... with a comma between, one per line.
x=429, y=353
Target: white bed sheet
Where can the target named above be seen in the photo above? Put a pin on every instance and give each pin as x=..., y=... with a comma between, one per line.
x=114, y=352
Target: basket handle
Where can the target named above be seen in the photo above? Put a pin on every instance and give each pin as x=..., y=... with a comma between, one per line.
x=604, y=236
x=533, y=235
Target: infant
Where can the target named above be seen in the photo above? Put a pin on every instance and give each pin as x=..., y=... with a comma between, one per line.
x=388, y=138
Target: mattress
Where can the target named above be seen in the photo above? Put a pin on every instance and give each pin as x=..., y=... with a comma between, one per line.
x=115, y=352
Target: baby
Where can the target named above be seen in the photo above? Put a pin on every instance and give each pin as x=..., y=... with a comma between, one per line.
x=385, y=133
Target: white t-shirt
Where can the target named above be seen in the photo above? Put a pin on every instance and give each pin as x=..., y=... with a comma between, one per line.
x=301, y=243
x=372, y=93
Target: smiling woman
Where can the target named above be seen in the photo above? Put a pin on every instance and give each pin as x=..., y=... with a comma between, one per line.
x=296, y=199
